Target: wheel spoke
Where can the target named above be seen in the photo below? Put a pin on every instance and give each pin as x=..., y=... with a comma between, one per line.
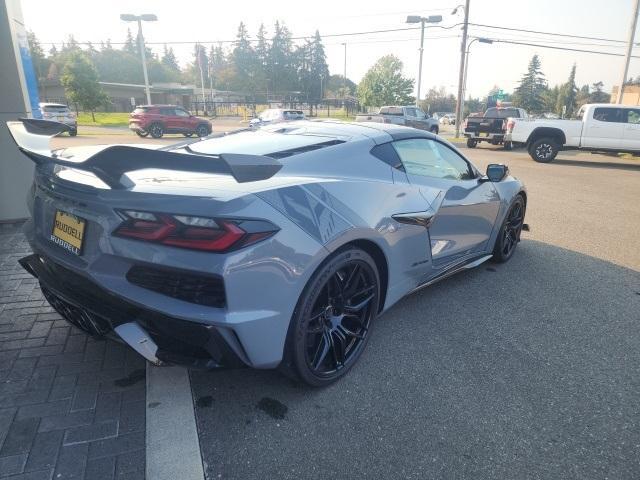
x=356, y=308
x=349, y=284
x=321, y=352
x=351, y=333
x=334, y=350
x=339, y=342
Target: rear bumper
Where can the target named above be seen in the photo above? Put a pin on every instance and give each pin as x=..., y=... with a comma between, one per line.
x=481, y=136
x=98, y=312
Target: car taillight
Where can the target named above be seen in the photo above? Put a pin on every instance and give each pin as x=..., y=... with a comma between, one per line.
x=195, y=233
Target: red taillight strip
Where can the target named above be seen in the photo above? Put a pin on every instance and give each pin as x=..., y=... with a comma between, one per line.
x=232, y=233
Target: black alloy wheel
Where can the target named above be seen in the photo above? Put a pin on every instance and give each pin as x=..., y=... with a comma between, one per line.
x=202, y=131
x=509, y=234
x=156, y=130
x=332, y=323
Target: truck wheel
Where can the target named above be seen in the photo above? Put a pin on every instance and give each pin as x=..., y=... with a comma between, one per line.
x=544, y=150
x=508, y=146
x=434, y=130
x=471, y=143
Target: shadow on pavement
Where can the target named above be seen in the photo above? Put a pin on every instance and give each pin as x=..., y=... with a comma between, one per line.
x=597, y=164
x=524, y=370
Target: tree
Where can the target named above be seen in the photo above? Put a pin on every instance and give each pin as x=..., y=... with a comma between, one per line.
x=283, y=75
x=437, y=100
x=169, y=59
x=383, y=84
x=130, y=44
x=597, y=95
x=334, y=87
x=529, y=94
x=40, y=62
x=566, y=102
x=80, y=82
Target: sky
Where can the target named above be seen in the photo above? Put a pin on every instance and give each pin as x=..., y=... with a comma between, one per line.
x=500, y=64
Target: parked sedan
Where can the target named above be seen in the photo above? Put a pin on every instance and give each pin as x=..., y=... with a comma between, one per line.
x=271, y=248
x=156, y=120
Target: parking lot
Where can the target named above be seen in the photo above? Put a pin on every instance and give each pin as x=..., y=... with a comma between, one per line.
x=529, y=369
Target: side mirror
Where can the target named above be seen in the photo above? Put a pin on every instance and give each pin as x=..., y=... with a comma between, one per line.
x=496, y=172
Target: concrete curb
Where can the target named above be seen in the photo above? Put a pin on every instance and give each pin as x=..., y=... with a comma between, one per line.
x=173, y=449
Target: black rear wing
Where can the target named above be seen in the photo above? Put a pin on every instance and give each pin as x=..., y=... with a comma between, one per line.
x=109, y=165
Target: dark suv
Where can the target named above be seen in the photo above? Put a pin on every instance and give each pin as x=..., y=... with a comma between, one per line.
x=156, y=120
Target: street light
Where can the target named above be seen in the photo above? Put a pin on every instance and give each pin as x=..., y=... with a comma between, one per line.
x=146, y=17
x=466, y=67
x=422, y=21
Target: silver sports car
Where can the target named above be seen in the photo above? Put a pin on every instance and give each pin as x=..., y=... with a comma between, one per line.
x=270, y=248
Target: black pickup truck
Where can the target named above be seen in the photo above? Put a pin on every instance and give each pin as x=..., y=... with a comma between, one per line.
x=492, y=126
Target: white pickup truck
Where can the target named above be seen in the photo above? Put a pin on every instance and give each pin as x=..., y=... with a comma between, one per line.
x=602, y=127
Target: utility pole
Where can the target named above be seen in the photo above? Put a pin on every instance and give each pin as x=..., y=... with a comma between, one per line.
x=422, y=21
x=204, y=99
x=344, y=76
x=147, y=17
x=420, y=62
x=463, y=48
x=632, y=34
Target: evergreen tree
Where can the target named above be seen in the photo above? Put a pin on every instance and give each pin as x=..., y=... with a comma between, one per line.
x=130, y=44
x=567, y=96
x=40, y=62
x=282, y=71
x=318, y=66
x=597, y=95
x=529, y=94
x=169, y=59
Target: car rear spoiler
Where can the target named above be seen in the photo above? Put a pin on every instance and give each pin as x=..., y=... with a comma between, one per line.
x=109, y=165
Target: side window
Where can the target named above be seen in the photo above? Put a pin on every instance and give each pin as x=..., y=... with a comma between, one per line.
x=606, y=114
x=410, y=112
x=181, y=113
x=429, y=158
x=167, y=111
x=632, y=116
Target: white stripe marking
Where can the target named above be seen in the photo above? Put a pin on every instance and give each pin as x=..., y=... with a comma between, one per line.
x=173, y=449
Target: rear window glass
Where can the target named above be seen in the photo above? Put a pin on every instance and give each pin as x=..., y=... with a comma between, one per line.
x=501, y=112
x=293, y=114
x=55, y=108
x=391, y=111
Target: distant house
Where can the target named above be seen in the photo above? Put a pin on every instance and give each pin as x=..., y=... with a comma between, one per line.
x=630, y=95
x=123, y=96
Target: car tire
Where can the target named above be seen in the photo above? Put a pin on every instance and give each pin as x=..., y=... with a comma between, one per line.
x=544, y=150
x=322, y=343
x=188, y=134
x=510, y=230
x=508, y=146
x=73, y=133
x=435, y=130
x=142, y=133
x=156, y=130
x=471, y=143
x=202, y=131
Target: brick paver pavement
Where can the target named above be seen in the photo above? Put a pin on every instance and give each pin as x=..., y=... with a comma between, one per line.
x=71, y=406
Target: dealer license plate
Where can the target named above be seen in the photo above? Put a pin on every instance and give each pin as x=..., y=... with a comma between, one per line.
x=68, y=231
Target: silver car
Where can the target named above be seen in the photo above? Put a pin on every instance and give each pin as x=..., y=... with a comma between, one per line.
x=60, y=112
x=276, y=115
x=277, y=247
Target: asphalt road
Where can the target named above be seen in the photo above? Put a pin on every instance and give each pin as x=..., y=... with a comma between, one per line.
x=529, y=369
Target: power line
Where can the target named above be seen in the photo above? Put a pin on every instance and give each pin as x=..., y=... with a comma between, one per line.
x=562, y=48
x=306, y=37
x=547, y=33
